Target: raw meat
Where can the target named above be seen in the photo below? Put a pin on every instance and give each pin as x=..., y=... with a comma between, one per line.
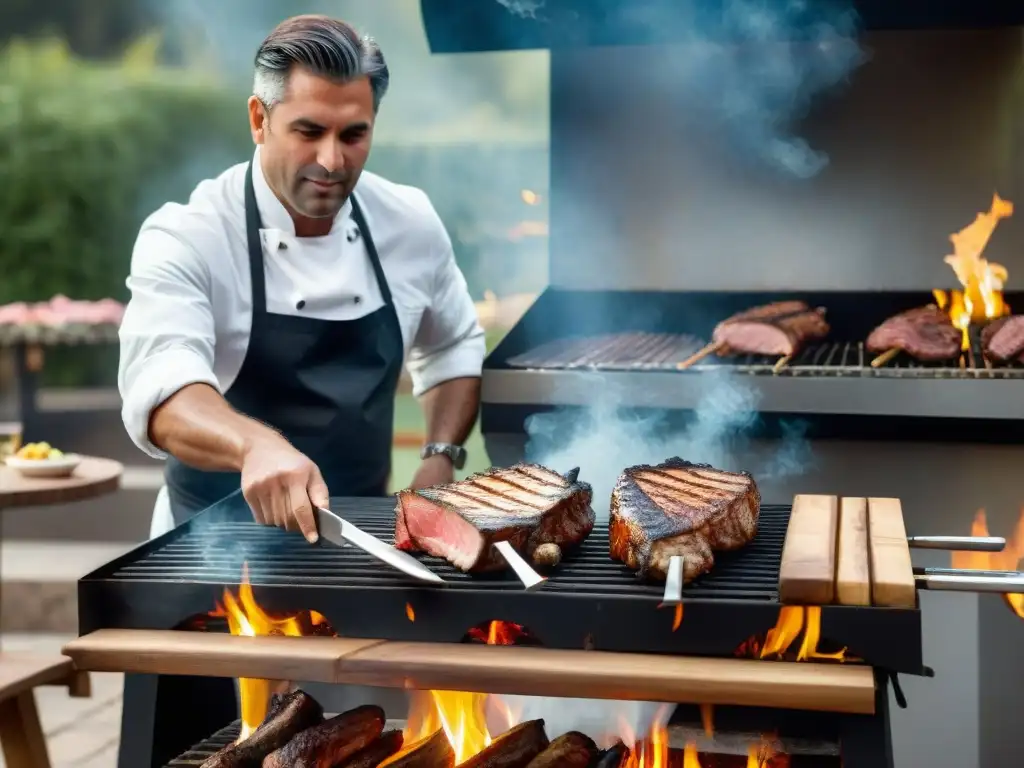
x=288, y=715
x=925, y=333
x=782, y=328
x=527, y=505
x=1003, y=339
x=679, y=508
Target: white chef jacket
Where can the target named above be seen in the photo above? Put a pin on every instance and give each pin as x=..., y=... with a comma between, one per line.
x=190, y=312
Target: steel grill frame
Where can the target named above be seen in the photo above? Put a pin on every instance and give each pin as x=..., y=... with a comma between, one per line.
x=589, y=601
x=200, y=752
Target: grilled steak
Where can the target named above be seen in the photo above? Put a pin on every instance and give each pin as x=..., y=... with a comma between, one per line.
x=924, y=333
x=527, y=505
x=288, y=715
x=1003, y=339
x=679, y=508
x=782, y=328
x=332, y=742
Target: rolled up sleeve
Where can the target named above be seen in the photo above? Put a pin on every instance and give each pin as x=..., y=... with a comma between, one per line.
x=167, y=335
x=450, y=342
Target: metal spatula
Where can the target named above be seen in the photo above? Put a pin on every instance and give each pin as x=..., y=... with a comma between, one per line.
x=338, y=530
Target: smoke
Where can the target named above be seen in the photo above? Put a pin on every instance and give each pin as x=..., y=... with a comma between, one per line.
x=604, y=439
x=606, y=722
x=754, y=69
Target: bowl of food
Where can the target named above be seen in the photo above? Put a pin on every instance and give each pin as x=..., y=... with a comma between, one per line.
x=43, y=460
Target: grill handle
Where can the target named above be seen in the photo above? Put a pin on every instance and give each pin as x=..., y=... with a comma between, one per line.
x=966, y=581
x=958, y=543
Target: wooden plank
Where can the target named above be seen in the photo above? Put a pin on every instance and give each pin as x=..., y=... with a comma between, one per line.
x=808, y=572
x=853, y=570
x=202, y=654
x=21, y=672
x=493, y=669
x=892, y=573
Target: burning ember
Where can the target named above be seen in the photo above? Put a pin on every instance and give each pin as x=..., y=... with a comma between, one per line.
x=471, y=722
x=1010, y=559
x=982, y=296
x=245, y=617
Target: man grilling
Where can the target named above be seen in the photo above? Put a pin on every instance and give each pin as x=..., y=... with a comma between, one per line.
x=270, y=316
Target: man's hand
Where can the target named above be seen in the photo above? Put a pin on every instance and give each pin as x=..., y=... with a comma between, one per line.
x=282, y=486
x=434, y=470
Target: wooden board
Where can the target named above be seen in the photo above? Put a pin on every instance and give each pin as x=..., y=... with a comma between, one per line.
x=853, y=570
x=892, y=573
x=93, y=477
x=492, y=669
x=807, y=575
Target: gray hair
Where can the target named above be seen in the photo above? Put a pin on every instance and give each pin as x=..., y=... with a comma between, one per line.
x=326, y=47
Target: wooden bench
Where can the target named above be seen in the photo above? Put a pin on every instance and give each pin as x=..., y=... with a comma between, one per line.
x=21, y=735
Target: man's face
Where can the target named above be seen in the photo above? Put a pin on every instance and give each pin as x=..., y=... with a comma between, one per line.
x=315, y=142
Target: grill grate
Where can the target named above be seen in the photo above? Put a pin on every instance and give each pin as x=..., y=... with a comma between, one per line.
x=214, y=553
x=199, y=753
x=664, y=351
x=588, y=601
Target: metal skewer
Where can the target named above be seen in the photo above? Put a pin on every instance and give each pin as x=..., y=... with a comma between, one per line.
x=965, y=572
x=674, y=582
x=958, y=543
x=530, y=578
x=1011, y=583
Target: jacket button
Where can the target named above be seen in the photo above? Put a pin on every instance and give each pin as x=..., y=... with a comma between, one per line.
x=300, y=303
x=357, y=299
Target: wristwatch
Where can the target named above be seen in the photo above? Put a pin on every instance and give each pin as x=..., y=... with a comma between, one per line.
x=454, y=452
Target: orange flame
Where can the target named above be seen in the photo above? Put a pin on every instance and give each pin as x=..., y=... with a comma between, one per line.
x=246, y=617
x=793, y=619
x=409, y=612
x=982, y=296
x=1010, y=559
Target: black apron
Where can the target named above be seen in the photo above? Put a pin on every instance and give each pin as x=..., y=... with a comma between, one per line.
x=327, y=385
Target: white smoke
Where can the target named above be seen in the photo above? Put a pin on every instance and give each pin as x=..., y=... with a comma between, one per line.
x=604, y=439
x=753, y=68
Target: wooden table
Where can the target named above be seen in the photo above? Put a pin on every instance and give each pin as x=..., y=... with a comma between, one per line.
x=21, y=735
x=93, y=477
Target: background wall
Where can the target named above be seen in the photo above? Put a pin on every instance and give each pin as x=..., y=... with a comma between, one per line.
x=651, y=189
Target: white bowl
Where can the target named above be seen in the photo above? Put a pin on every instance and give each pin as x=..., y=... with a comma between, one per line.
x=60, y=467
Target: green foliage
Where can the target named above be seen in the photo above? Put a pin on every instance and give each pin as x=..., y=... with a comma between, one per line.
x=85, y=144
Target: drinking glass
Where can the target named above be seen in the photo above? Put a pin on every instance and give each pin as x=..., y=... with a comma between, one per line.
x=10, y=439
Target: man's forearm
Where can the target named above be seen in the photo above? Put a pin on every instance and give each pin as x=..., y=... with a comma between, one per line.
x=451, y=409
x=198, y=427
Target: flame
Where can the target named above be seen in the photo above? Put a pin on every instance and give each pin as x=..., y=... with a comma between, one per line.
x=529, y=197
x=652, y=752
x=462, y=715
x=793, y=619
x=409, y=612
x=245, y=617
x=982, y=296
x=1010, y=559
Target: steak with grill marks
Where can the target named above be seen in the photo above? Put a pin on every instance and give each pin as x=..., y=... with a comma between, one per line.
x=924, y=333
x=780, y=328
x=680, y=508
x=527, y=505
x=1003, y=339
